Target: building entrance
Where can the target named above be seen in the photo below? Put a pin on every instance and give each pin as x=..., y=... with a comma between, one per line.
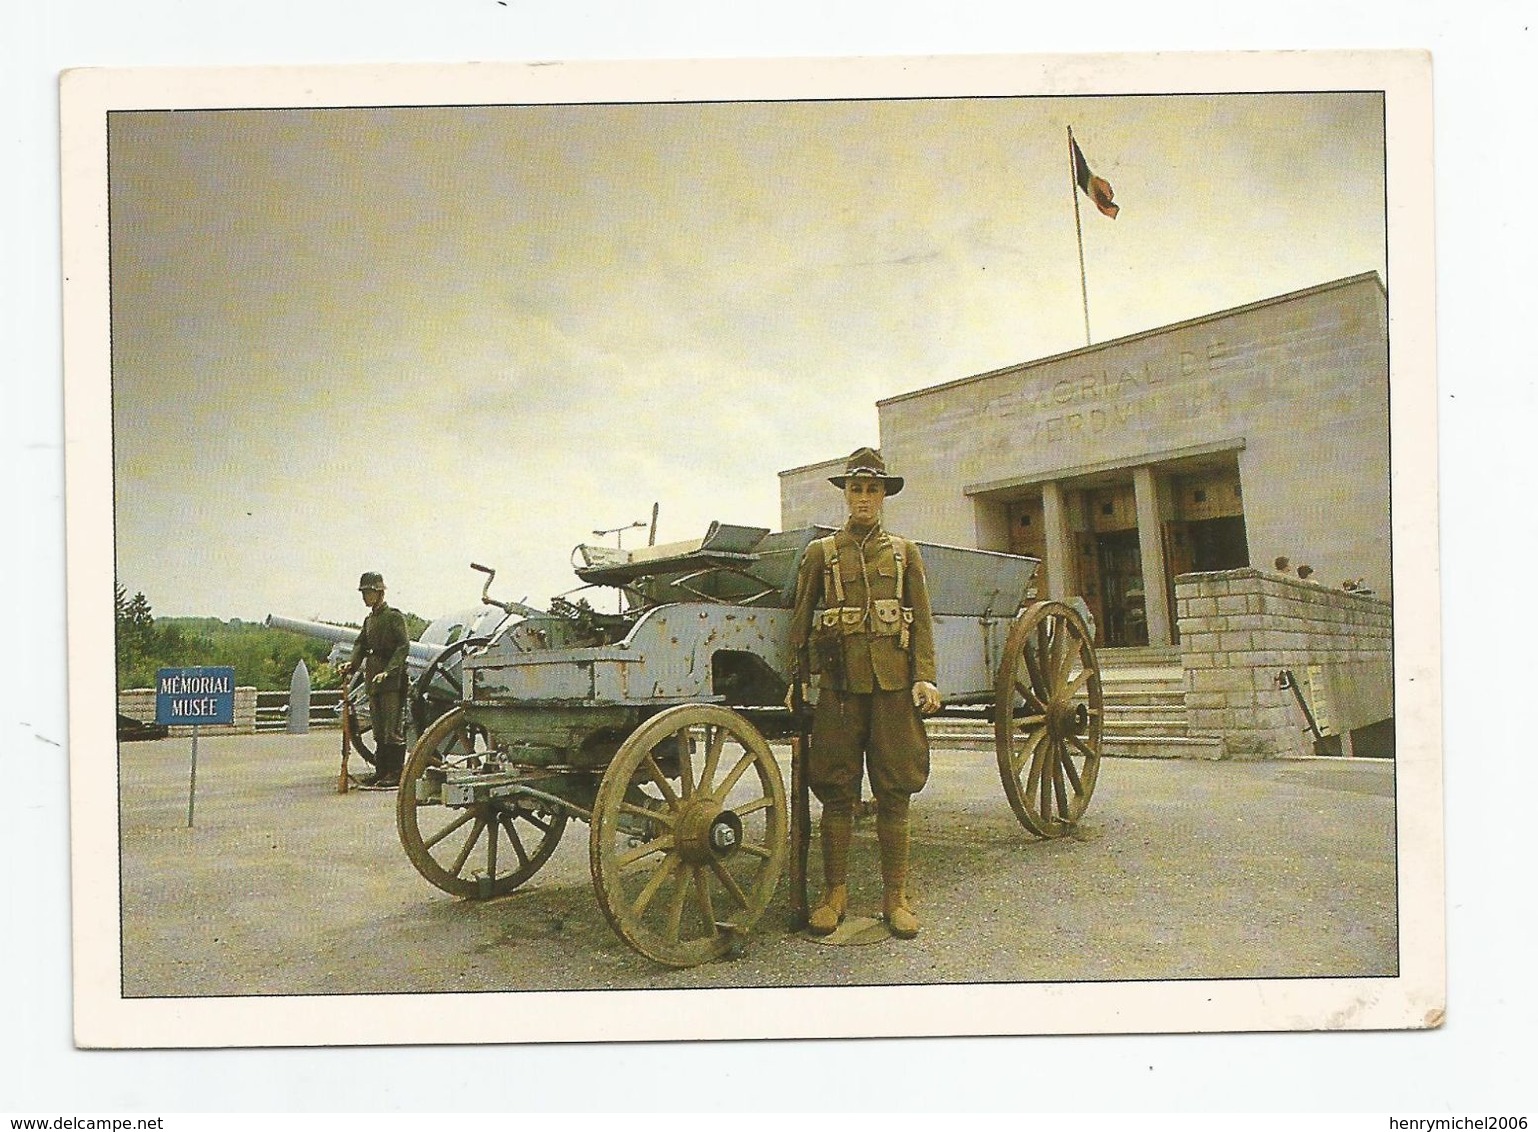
x=1122, y=601
x=1122, y=531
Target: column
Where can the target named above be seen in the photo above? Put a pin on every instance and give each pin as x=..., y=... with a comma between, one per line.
x=1062, y=581
x=1150, y=541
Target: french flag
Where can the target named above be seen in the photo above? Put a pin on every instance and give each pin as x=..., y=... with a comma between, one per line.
x=1098, y=189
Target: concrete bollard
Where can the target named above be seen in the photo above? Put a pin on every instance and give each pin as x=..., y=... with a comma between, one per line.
x=299, y=701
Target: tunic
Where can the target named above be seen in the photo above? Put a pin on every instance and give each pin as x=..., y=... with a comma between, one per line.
x=382, y=646
x=868, y=644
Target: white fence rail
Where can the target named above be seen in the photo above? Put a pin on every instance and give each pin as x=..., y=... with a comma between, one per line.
x=272, y=709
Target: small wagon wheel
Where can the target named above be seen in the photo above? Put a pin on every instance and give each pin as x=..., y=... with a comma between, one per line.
x=438, y=689
x=360, y=731
x=688, y=835
x=1048, y=718
x=481, y=850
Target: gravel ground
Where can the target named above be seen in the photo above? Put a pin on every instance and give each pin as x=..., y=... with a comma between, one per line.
x=1179, y=870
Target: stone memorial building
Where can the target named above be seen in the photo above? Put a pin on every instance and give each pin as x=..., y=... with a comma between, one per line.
x=1178, y=479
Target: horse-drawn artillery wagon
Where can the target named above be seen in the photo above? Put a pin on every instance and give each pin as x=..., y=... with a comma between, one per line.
x=657, y=726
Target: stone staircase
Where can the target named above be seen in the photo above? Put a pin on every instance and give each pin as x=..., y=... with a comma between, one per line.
x=1145, y=713
x=1145, y=707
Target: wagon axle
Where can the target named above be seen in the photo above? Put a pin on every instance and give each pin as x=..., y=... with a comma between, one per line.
x=707, y=832
x=1065, y=717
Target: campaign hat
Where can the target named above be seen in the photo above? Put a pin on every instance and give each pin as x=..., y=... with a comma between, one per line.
x=866, y=463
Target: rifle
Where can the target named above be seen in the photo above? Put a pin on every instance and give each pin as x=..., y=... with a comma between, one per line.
x=800, y=806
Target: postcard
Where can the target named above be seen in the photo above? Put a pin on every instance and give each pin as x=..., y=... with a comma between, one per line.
x=752, y=549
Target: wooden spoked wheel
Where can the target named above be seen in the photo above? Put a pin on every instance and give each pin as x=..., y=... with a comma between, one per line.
x=360, y=723
x=688, y=834
x=438, y=688
x=1048, y=718
x=480, y=850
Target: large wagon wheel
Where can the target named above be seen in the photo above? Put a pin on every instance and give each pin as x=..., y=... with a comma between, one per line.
x=688, y=835
x=360, y=730
x=438, y=688
x=482, y=850
x=1048, y=718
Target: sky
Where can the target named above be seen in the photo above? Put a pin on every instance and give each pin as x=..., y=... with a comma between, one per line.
x=405, y=339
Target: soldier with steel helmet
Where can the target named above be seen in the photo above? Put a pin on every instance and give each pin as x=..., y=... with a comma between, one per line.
x=862, y=625
x=381, y=648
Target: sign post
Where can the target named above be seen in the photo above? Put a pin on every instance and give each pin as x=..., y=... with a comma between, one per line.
x=192, y=697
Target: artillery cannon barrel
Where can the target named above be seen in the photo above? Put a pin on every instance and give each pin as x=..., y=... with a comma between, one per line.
x=340, y=634
x=334, y=633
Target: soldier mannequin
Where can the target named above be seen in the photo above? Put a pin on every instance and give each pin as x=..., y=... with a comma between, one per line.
x=382, y=646
x=862, y=622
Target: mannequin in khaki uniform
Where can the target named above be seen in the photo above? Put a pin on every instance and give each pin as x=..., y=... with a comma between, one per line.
x=862, y=623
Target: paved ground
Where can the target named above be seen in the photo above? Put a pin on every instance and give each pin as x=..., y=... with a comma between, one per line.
x=1179, y=869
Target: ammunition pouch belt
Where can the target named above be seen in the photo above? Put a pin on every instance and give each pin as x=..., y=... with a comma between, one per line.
x=888, y=617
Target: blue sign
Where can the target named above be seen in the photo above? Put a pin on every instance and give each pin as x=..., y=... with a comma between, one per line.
x=193, y=697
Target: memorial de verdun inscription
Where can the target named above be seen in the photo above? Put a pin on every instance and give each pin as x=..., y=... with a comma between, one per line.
x=1286, y=399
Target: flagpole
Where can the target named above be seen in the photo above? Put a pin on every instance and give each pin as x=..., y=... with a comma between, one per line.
x=1078, y=227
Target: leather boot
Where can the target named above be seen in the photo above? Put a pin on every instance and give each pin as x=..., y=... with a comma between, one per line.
x=892, y=835
x=837, y=828
x=389, y=760
x=380, y=758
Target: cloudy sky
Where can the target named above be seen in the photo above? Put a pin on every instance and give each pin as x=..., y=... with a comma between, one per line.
x=406, y=339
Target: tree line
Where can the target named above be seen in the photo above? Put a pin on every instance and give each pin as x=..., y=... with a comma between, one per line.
x=261, y=657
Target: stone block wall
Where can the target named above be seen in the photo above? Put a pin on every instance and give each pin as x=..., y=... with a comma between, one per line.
x=1240, y=629
x=139, y=703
